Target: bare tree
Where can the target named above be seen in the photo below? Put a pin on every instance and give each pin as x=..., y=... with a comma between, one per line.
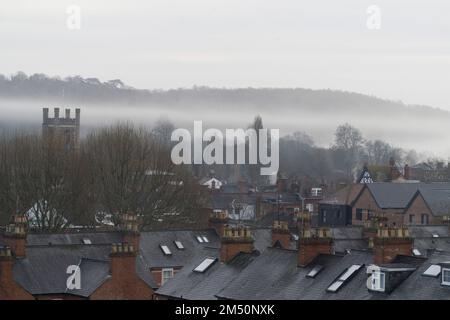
x=349, y=141
x=134, y=172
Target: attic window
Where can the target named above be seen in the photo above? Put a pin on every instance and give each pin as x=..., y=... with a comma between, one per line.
x=349, y=272
x=314, y=271
x=86, y=241
x=165, y=250
x=446, y=277
x=378, y=280
x=435, y=235
x=202, y=267
x=199, y=239
x=416, y=252
x=433, y=271
x=343, y=278
x=179, y=245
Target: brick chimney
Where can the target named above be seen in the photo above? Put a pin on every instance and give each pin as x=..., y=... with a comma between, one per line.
x=16, y=235
x=234, y=241
x=218, y=220
x=242, y=186
x=407, y=172
x=9, y=289
x=391, y=242
x=6, y=264
x=129, y=226
x=313, y=242
x=281, y=234
x=123, y=260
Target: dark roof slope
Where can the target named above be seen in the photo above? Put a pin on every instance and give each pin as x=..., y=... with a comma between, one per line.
x=44, y=239
x=437, y=197
x=283, y=280
x=44, y=269
x=153, y=255
x=345, y=196
x=392, y=195
x=192, y=285
x=420, y=287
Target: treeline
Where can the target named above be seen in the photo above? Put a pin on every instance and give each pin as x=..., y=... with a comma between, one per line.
x=302, y=160
x=114, y=92
x=114, y=170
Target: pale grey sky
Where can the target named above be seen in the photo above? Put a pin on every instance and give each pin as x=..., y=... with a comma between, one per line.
x=238, y=43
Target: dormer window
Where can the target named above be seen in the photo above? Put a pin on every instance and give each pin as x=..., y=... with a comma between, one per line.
x=378, y=281
x=445, y=276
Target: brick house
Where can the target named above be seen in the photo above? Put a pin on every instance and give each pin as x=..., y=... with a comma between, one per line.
x=429, y=205
x=398, y=204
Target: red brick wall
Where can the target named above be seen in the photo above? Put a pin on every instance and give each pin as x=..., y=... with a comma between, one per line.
x=9, y=289
x=228, y=250
x=124, y=283
x=385, y=250
x=157, y=274
x=17, y=245
x=417, y=208
x=367, y=202
x=310, y=248
x=283, y=237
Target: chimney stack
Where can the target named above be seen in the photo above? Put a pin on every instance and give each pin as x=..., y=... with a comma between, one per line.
x=281, y=234
x=218, y=220
x=391, y=242
x=407, y=172
x=11, y=289
x=56, y=111
x=129, y=226
x=6, y=264
x=234, y=241
x=77, y=115
x=123, y=261
x=16, y=235
x=67, y=113
x=313, y=242
x=45, y=115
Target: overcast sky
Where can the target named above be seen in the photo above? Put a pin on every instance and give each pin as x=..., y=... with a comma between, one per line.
x=238, y=43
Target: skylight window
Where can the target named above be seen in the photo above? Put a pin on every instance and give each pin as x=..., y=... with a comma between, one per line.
x=165, y=250
x=336, y=285
x=199, y=239
x=416, y=252
x=87, y=241
x=205, y=239
x=179, y=245
x=435, y=235
x=202, y=267
x=433, y=271
x=314, y=271
x=349, y=272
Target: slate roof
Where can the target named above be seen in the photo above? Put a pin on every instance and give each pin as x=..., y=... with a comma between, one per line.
x=345, y=196
x=283, y=280
x=39, y=239
x=428, y=231
x=192, y=285
x=151, y=251
x=419, y=287
x=43, y=271
x=392, y=195
x=437, y=198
